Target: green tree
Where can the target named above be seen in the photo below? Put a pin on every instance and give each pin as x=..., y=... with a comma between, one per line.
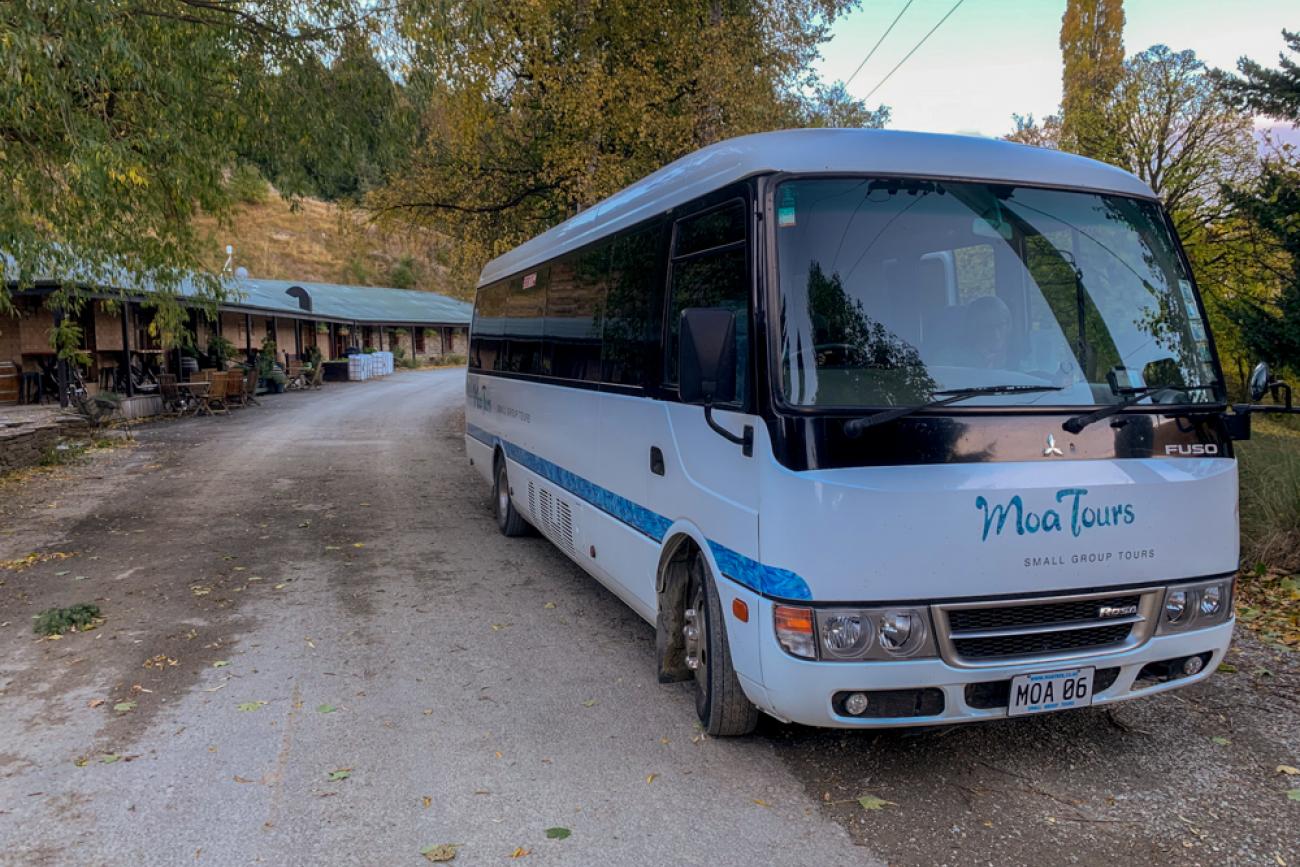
x=1270, y=323
x=537, y=110
x=118, y=120
x=1092, y=48
x=1272, y=92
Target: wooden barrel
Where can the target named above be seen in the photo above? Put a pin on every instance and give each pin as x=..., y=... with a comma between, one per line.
x=9, y=381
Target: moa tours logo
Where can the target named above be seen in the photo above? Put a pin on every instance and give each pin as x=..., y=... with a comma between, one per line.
x=1073, y=514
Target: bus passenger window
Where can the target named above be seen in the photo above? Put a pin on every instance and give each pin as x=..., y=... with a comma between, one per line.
x=710, y=268
x=633, y=308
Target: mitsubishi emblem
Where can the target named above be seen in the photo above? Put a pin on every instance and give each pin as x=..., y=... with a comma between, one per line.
x=1051, y=447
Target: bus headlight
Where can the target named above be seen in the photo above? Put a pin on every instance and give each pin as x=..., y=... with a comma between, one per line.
x=856, y=634
x=1196, y=606
x=845, y=634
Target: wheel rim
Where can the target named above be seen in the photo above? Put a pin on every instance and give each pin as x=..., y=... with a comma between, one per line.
x=697, y=639
x=503, y=495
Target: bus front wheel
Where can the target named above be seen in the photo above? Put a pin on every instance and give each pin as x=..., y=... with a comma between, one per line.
x=720, y=702
x=509, y=521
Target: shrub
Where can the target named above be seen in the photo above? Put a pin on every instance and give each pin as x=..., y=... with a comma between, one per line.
x=247, y=186
x=56, y=621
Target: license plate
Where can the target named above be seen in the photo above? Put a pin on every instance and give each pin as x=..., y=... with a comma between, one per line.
x=1051, y=690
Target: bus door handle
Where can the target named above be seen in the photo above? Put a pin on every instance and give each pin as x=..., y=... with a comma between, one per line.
x=656, y=461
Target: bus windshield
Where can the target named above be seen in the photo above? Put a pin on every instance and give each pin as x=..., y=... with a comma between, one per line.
x=895, y=290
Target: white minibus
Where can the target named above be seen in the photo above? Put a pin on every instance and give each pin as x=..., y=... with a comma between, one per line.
x=876, y=428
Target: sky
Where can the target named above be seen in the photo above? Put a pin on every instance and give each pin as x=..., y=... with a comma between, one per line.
x=993, y=58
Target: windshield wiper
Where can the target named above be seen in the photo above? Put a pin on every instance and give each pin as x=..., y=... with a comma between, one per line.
x=855, y=427
x=1079, y=422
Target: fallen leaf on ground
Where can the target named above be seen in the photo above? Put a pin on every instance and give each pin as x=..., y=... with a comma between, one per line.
x=124, y=706
x=1221, y=741
x=251, y=705
x=95, y=702
x=557, y=833
x=591, y=702
x=440, y=852
x=650, y=778
x=221, y=663
x=1293, y=794
x=764, y=804
x=1288, y=770
x=427, y=801
x=1227, y=668
x=109, y=758
x=549, y=605
x=239, y=779
x=358, y=544
x=340, y=774
x=520, y=852
x=325, y=708
x=871, y=802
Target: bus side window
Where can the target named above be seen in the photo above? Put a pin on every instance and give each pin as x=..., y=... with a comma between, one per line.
x=710, y=268
x=575, y=302
x=485, y=351
x=633, y=308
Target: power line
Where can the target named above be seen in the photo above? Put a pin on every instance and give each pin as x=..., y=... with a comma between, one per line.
x=877, y=45
x=914, y=49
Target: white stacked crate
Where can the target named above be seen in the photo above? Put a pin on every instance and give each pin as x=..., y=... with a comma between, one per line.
x=359, y=367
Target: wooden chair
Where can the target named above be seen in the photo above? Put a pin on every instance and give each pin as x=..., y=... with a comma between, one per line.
x=235, y=389
x=171, y=395
x=250, y=387
x=216, y=396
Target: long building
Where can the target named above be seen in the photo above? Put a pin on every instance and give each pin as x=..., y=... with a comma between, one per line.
x=297, y=315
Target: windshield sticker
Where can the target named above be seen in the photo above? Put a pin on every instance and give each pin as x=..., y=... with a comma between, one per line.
x=785, y=215
x=1079, y=517
x=1185, y=287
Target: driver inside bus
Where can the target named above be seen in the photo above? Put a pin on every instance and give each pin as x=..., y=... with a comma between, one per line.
x=988, y=332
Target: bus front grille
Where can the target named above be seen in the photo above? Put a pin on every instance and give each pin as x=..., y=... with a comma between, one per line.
x=1046, y=628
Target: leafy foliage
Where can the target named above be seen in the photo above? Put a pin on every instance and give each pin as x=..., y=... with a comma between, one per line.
x=1092, y=48
x=56, y=621
x=119, y=119
x=537, y=110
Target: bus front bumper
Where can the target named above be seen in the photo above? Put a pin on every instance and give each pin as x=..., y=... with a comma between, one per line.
x=804, y=691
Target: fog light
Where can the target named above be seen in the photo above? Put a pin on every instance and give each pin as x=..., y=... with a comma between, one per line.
x=1176, y=606
x=1192, y=665
x=1211, y=600
x=856, y=703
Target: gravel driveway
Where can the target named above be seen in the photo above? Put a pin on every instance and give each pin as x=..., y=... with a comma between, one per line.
x=317, y=650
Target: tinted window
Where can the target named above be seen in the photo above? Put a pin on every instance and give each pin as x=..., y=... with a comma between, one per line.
x=524, y=308
x=633, y=308
x=487, y=337
x=716, y=277
x=575, y=304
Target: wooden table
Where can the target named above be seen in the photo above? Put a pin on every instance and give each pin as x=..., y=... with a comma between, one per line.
x=198, y=393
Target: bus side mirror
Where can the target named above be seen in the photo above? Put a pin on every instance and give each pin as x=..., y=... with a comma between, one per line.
x=706, y=356
x=706, y=366
x=1260, y=378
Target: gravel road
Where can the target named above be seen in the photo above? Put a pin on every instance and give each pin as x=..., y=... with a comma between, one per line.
x=318, y=650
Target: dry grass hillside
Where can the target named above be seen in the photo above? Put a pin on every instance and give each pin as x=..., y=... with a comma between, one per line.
x=330, y=243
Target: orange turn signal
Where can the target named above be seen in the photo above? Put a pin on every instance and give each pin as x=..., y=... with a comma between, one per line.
x=794, y=630
x=740, y=610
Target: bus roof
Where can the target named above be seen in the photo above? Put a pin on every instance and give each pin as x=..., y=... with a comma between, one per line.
x=854, y=151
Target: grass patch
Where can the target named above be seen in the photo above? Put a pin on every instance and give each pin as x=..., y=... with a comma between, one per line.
x=1268, y=592
x=56, y=621
x=1269, y=464
x=62, y=453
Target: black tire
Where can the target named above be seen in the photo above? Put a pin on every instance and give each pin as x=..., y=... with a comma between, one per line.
x=720, y=702
x=509, y=521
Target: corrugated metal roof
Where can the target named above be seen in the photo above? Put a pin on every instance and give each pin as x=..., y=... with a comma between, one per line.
x=378, y=305
x=810, y=151
x=375, y=304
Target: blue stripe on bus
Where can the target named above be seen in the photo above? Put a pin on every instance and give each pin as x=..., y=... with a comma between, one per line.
x=768, y=580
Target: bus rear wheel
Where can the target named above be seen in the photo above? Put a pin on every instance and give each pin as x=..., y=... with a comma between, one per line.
x=720, y=702
x=509, y=521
